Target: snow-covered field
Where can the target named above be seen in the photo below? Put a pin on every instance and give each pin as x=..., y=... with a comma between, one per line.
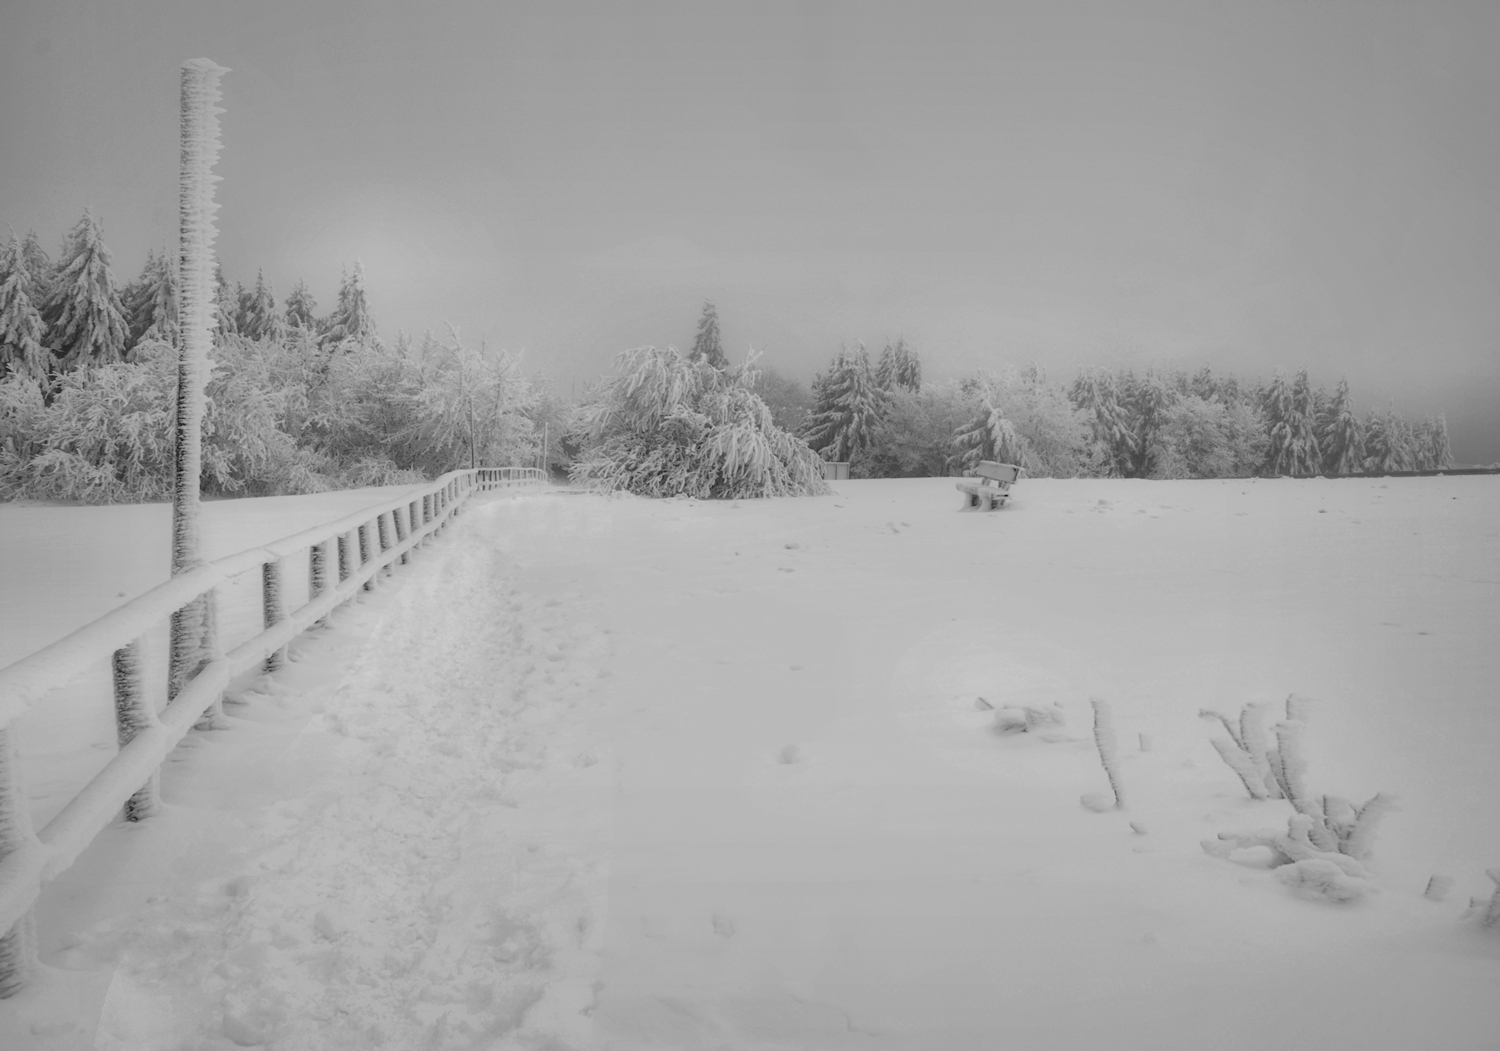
x=619, y=774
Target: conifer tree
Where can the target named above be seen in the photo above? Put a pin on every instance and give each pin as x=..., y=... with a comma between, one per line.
x=899, y=367
x=846, y=408
x=1340, y=442
x=1293, y=448
x=22, y=334
x=39, y=265
x=1388, y=445
x=150, y=302
x=351, y=319
x=85, y=324
x=301, y=309
x=1431, y=451
x=256, y=317
x=1095, y=393
x=706, y=345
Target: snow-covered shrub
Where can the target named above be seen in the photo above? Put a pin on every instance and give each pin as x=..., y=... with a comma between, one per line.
x=666, y=426
x=1328, y=838
x=105, y=437
x=1279, y=771
x=1488, y=912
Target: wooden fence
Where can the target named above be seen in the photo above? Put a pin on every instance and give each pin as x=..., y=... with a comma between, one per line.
x=342, y=557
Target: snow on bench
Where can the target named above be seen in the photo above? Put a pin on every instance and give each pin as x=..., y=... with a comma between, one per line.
x=991, y=487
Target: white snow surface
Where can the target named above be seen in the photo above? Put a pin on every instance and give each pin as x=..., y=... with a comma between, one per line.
x=619, y=774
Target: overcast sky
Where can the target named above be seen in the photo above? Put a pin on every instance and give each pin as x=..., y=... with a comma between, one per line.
x=1246, y=185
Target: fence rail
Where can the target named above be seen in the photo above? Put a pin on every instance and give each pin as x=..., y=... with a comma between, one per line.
x=343, y=557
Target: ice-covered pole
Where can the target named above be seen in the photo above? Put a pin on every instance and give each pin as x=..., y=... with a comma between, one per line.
x=192, y=627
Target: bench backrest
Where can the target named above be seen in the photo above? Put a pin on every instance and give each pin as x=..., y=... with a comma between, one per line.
x=1000, y=472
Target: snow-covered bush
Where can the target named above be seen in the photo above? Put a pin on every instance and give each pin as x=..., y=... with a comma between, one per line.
x=914, y=438
x=1328, y=833
x=666, y=426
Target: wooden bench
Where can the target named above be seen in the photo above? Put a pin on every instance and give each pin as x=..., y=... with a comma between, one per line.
x=991, y=486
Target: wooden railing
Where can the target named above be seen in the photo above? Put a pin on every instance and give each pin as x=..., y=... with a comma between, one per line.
x=342, y=557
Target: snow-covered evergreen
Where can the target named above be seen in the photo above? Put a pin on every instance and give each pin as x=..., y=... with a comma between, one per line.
x=1021, y=419
x=1293, y=445
x=84, y=319
x=665, y=425
x=256, y=316
x=899, y=366
x=301, y=309
x=846, y=408
x=1096, y=394
x=22, y=332
x=350, y=321
x=706, y=344
x=1340, y=437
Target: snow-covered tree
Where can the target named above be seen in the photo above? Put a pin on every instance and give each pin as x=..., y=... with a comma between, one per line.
x=256, y=316
x=1112, y=437
x=1293, y=445
x=706, y=345
x=788, y=398
x=350, y=321
x=899, y=366
x=1204, y=438
x=1431, y=451
x=665, y=425
x=846, y=408
x=914, y=438
x=1388, y=444
x=1340, y=439
x=301, y=309
x=22, y=334
x=1021, y=419
x=151, y=301
x=84, y=320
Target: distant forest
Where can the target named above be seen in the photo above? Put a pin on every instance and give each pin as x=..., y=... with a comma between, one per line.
x=301, y=401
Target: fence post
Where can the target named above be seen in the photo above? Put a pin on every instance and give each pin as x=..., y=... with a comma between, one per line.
x=273, y=607
x=400, y=529
x=343, y=548
x=132, y=715
x=364, y=553
x=317, y=572
x=383, y=536
x=18, y=962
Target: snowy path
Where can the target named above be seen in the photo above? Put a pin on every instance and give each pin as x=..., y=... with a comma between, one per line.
x=620, y=774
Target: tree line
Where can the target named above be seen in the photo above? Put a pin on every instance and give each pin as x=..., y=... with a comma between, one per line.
x=298, y=401
x=885, y=422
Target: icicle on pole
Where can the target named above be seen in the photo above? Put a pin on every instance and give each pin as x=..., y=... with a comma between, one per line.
x=193, y=625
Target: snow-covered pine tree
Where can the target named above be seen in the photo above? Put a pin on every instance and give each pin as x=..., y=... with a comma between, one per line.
x=301, y=309
x=846, y=408
x=151, y=302
x=1430, y=448
x=350, y=320
x=40, y=266
x=1096, y=394
x=665, y=426
x=706, y=344
x=1293, y=448
x=1146, y=401
x=1340, y=439
x=899, y=366
x=1387, y=445
x=83, y=316
x=22, y=334
x=257, y=317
